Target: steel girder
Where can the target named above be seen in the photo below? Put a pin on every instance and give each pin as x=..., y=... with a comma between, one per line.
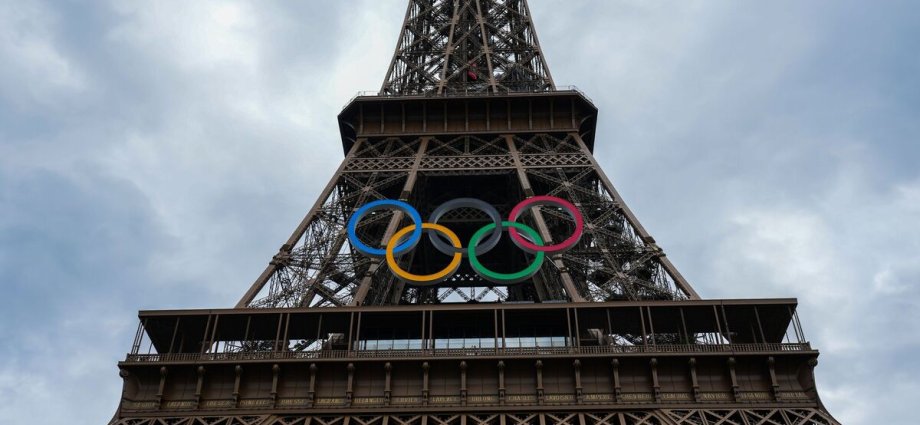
x=616, y=259
x=467, y=46
x=712, y=416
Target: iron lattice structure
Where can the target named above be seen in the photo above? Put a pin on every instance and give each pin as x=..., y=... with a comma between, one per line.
x=605, y=333
x=453, y=47
x=616, y=260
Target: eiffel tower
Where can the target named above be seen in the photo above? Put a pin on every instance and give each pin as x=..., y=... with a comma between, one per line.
x=531, y=295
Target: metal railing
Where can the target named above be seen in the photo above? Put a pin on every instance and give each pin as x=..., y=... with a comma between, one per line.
x=463, y=352
x=377, y=94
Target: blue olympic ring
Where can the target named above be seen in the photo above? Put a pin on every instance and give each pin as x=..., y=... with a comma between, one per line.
x=410, y=243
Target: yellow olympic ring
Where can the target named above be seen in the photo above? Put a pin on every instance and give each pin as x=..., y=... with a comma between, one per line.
x=428, y=278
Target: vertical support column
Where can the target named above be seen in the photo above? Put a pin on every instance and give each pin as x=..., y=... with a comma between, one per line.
x=425, y=390
x=357, y=342
x=276, y=344
x=422, y=335
x=392, y=227
x=387, y=385
x=683, y=324
x=579, y=390
x=570, y=341
x=350, y=384
x=734, y=378
x=172, y=341
x=774, y=384
x=214, y=335
x=617, y=388
x=351, y=328
x=162, y=387
x=276, y=371
x=715, y=312
x=567, y=282
x=728, y=329
x=656, y=386
x=798, y=325
x=644, y=331
x=501, y=383
x=287, y=328
x=238, y=374
x=311, y=393
x=139, y=335
x=463, y=390
x=204, y=336
x=199, y=387
x=504, y=332
x=651, y=324
x=577, y=330
x=694, y=381
x=540, y=395
x=763, y=338
x=495, y=330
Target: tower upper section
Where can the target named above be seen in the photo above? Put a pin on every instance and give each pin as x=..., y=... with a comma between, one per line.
x=467, y=46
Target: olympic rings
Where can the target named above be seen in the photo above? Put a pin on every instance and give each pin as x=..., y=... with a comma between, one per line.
x=408, y=237
x=495, y=277
x=466, y=203
x=379, y=205
x=547, y=200
x=430, y=278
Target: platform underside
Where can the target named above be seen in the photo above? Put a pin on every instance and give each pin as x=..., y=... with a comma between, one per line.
x=711, y=416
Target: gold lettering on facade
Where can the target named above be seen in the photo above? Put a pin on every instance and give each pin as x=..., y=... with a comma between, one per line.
x=715, y=396
x=559, y=397
x=758, y=395
x=369, y=400
x=292, y=402
x=598, y=397
x=676, y=396
x=637, y=397
x=141, y=405
x=795, y=394
x=180, y=405
x=255, y=403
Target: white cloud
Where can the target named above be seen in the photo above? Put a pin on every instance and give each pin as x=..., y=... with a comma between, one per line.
x=193, y=36
x=35, y=70
x=853, y=263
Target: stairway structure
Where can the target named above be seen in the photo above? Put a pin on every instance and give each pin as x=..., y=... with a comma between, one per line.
x=470, y=264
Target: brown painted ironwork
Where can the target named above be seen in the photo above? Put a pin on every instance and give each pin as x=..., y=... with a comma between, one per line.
x=607, y=333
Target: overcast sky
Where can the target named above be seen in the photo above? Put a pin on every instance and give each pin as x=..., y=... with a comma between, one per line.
x=155, y=154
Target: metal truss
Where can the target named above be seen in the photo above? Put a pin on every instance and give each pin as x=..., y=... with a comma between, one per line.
x=467, y=46
x=615, y=260
x=713, y=416
x=452, y=48
x=204, y=420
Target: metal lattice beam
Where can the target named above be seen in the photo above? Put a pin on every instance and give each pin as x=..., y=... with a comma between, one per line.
x=467, y=46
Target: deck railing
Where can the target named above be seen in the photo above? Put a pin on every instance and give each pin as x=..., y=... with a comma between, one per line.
x=560, y=89
x=462, y=352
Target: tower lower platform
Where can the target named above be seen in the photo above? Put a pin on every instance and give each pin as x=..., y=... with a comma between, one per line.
x=739, y=362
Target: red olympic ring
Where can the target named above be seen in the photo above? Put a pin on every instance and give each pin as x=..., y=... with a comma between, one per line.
x=530, y=247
